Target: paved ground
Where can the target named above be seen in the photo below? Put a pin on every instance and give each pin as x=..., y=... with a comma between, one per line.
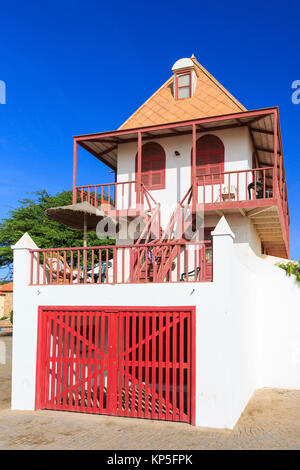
x=270, y=421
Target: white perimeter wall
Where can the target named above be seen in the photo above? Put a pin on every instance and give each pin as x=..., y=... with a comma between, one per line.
x=247, y=326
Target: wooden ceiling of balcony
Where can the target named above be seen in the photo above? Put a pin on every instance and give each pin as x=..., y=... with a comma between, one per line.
x=268, y=226
x=266, y=220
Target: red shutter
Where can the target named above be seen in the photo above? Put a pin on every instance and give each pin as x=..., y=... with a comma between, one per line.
x=157, y=172
x=145, y=176
x=153, y=166
x=201, y=165
x=209, y=159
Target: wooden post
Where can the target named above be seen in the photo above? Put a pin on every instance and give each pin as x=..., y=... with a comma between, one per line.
x=275, y=182
x=74, y=199
x=139, y=169
x=280, y=174
x=84, y=230
x=194, y=182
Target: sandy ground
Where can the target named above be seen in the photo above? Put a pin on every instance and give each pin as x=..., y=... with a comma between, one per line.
x=271, y=420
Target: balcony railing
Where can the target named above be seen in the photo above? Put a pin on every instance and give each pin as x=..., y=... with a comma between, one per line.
x=229, y=186
x=117, y=195
x=284, y=209
x=227, y=189
x=120, y=196
x=125, y=264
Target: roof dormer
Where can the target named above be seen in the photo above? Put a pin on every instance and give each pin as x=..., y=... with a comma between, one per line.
x=184, y=79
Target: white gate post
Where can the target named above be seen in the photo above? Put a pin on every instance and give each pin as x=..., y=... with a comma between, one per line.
x=223, y=251
x=24, y=328
x=215, y=339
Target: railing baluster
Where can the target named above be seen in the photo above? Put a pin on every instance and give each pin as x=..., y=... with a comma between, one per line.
x=146, y=264
x=57, y=267
x=38, y=268
x=78, y=266
x=200, y=256
x=186, y=263
x=115, y=266
x=31, y=267
x=100, y=266
x=93, y=266
x=102, y=196
x=71, y=266
x=108, y=197
x=178, y=263
x=123, y=205
x=51, y=267
x=106, y=266
x=195, y=262
x=130, y=192
x=44, y=268
x=123, y=265
x=84, y=266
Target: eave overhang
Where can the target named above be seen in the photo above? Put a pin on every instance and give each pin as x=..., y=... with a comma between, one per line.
x=260, y=123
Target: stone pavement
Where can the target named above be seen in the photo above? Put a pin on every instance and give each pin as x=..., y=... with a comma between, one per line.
x=270, y=421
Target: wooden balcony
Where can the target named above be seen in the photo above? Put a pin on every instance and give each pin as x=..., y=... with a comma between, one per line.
x=259, y=194
x=121, y=198
x=243, y=188
x=266, y=205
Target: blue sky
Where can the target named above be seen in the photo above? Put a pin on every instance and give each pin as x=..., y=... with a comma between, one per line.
x=74, y=67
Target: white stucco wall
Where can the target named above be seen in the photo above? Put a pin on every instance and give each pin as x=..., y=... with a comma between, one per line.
x=276, y=305
x=238, y=156
x=246, y=236
x=247, y=326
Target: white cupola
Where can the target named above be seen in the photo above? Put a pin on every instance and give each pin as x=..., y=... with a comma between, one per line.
x=185, y=78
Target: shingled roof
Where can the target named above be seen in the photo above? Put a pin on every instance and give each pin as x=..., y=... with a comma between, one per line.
x=8, y=287
x=209, y=99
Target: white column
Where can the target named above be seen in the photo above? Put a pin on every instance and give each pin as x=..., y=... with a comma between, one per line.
x=223, y=250
x=24, y=328
x=215, y=339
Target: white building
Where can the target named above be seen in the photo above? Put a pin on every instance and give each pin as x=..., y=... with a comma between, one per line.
x=185, y=316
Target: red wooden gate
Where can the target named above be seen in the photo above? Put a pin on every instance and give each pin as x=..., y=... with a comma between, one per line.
x=134, y=362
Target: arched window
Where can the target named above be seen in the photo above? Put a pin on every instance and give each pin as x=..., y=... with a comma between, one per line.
x=153, y=166
x=209, y=159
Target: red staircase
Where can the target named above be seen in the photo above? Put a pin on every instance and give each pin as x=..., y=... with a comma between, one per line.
x=156, y=261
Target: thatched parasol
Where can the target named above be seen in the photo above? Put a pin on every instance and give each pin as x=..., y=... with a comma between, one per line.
x=81, y=216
